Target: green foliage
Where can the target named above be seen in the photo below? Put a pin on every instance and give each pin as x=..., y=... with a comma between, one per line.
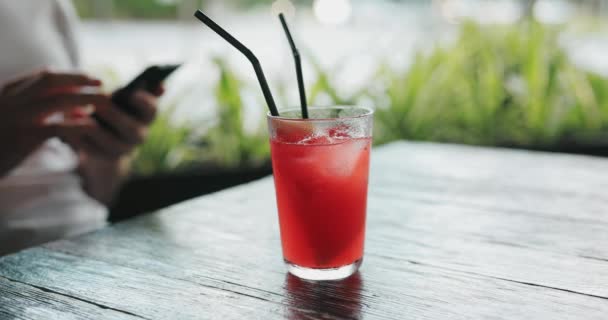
x=155, y=9
x=175, y=146
x=146, y=9
x=324, y=85
x=142, y=9
x=228, y=142
x=494, y=85
x=500, y=85
x=167, y=148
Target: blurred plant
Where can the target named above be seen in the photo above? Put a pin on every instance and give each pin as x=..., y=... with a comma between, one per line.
x=168, y=147
x=143, y=9
x=494, y=85
x=228, y=142
x=157, y=9
x=324, y=89
x=501, y=85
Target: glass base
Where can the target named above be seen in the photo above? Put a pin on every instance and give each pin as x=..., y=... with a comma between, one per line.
x=323, y=274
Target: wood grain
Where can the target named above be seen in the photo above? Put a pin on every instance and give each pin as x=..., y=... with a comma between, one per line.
x=453, y=233
x=21, y=301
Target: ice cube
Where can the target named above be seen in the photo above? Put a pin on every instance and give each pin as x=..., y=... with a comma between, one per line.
x=292, y=131
x=343, y=157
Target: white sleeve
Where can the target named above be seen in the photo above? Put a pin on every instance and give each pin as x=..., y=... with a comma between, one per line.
x=67, y=20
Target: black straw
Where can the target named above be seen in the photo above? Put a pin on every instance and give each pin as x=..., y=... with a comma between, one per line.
x=298, y=63
x=244, y=50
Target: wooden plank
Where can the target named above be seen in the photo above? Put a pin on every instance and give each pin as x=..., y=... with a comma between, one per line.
x=453, y=232
x=479, y=249
x=193, y=249
x=19, y=301
x=526, y=169
x=384, y=290
x=146, y=295
x=537, y=249
x=558, y=234
x=557, y=185
x=516, y=228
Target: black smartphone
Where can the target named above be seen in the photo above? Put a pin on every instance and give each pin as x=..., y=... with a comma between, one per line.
x=149, y=80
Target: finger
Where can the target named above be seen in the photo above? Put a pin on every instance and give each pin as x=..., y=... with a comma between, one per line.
x=145, y=106
x=83, y=146
x=125, y=126
x=20, y=79
x=80, y=113
x=66, y=102
x=105, y=144
x=16, y=86
x=50, y=82
x=159, y=91
x=76, y=142
x=67, y=129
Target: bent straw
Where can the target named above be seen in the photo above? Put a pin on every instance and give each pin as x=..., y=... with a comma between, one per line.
x=298, y=63
x=245, y=51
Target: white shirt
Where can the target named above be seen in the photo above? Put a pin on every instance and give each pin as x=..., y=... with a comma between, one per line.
x=42, y=199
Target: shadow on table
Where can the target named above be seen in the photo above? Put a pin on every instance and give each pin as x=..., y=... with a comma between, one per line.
x=308, y=299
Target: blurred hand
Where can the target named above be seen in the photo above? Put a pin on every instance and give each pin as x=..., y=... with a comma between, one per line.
x=104, y=151
x=121, y=132
x=26, y=105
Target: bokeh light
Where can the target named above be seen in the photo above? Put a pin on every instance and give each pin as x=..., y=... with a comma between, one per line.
x=285, y=7
x=332, y=12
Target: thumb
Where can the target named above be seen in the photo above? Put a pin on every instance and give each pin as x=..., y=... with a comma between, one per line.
x=68, y=130
x=14, y=86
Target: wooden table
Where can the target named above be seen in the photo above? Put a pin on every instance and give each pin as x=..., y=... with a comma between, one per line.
x=453, y=232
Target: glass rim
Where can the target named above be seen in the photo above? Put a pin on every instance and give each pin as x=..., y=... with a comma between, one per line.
x=368, y=112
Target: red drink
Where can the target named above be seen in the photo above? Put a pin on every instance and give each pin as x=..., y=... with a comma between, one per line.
x=321, y=177
x=322, y=195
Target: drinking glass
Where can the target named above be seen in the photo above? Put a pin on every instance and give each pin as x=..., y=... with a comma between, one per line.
x=321, y=169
